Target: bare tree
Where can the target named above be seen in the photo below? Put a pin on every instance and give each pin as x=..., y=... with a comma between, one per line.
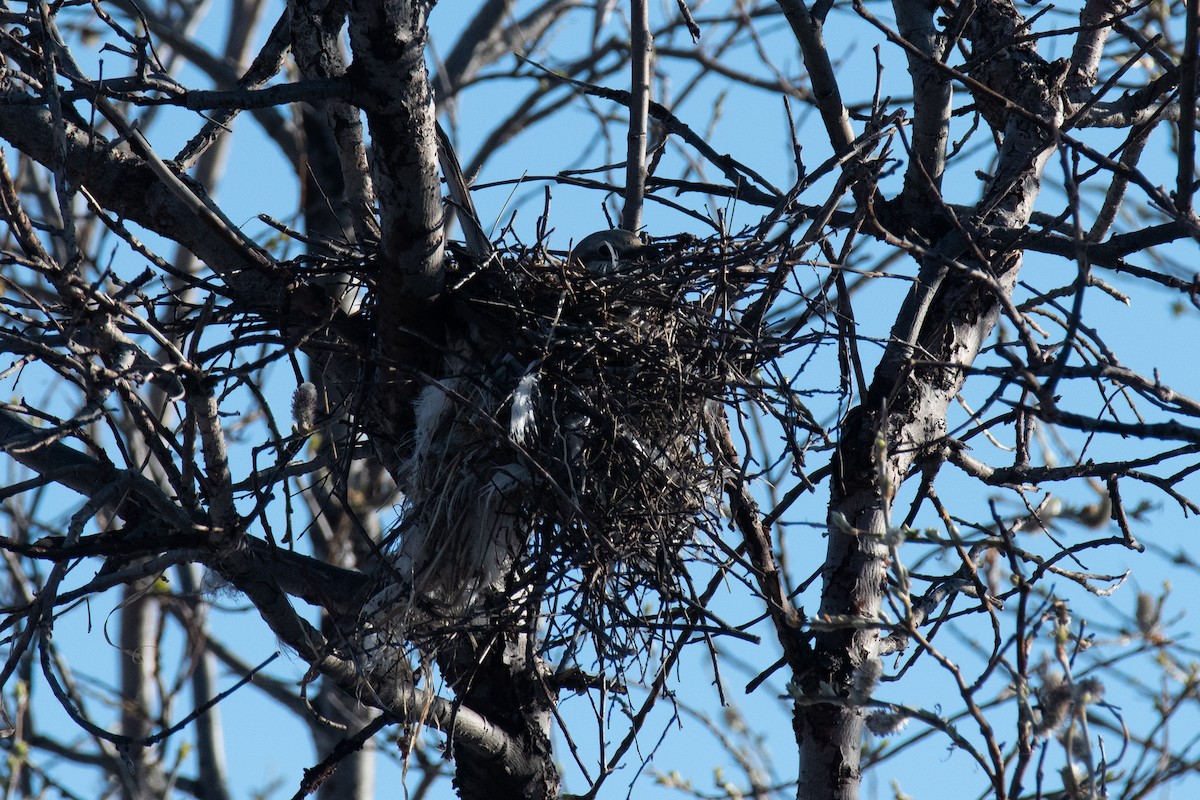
x=512, y=468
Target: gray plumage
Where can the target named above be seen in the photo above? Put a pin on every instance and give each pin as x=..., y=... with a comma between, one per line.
x=606, y=252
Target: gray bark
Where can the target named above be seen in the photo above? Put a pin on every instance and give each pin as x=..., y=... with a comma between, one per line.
x=946, y=319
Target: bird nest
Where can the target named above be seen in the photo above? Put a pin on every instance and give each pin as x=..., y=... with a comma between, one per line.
x=613, y=375
x=560, y=455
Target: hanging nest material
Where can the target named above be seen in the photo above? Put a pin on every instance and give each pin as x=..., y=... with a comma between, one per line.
x=560, y=453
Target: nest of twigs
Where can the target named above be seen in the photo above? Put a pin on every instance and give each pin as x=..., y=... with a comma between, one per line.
x=617, y=370
x=574, y=407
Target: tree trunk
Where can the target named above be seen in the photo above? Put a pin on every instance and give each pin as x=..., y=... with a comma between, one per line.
x=503, y=681
x=139, y=645
x=945, y=320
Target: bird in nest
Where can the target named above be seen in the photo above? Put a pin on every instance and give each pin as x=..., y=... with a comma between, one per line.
x=608, y=252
